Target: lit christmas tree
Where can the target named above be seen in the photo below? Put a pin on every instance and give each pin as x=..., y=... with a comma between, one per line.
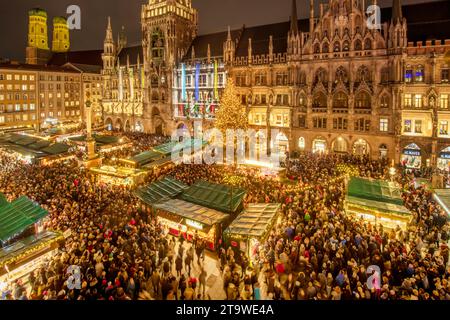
x=231, y=114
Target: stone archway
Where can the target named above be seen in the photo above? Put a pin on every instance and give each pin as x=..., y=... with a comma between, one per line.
x=158, y=122
x=361, y=147
x=339, y=145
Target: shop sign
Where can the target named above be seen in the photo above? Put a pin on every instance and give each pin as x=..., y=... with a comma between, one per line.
x=234, y=244
x=445, y=155
x=194, y=224
x=409, y=152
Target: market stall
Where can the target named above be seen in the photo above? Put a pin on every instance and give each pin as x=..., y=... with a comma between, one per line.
x=377, y=202
x=162, y=190
x=188, y=219
x=442, y=196
x=120, y=176
x=23, y=243
x=250, y=229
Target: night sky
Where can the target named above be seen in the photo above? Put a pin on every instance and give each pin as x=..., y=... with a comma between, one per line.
x=214, y=15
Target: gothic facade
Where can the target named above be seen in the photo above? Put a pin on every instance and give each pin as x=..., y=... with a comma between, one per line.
x=328, y=83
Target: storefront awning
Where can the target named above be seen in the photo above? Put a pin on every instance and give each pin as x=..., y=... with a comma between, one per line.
x=161, y=190
x=442, y=196
x=376, y=190
x=215, y=196
x=255, y=220
x=17, y=216
x=192, y=211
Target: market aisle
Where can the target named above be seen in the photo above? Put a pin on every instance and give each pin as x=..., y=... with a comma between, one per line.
x=214, y=281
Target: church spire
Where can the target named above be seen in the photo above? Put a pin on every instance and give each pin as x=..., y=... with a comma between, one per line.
x=294, y=19
x=229, y=34
x=397, y=10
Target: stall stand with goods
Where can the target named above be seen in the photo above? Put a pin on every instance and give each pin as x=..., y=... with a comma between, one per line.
x=33, y=149
x=204, y=209
x=251, y=228
x=266, y=169
x=23, y=243
x=377, y=202
x=120, y=176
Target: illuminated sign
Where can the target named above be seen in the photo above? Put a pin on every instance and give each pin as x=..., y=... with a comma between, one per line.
x=194, y=224
x=411, y=152
x=445, y=155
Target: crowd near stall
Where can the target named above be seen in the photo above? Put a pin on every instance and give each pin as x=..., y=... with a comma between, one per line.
x=196, y=231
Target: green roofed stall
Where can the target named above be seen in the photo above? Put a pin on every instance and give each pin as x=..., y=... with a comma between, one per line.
x=146, y=157
x=442, y=196
x=57, y=148
x=17, y=216
x=378, y=202
x=252, y=227
x=216, y=196
x=376, y=190
x=161, y=190
x=3, y=200
x=167, y=148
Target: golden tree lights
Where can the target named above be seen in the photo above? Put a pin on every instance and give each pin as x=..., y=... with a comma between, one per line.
x=231, y=114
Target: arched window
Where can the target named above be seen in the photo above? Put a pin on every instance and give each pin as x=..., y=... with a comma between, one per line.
x=316, y=48
x=358, y=45
x=341, y=74
x=325, y=48
x=367, y=44
x=301, y=143
x=384, y=101
x=346, y=46
x=363, y=74
x=320, y=100
x=321, y=76
x=340, y=101
x=419, y=75
x=362, y=100
x=336, y=47
x=302, y=100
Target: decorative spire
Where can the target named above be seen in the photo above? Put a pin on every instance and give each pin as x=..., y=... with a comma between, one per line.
x=397, y=11
x=311, y=16
x=128, y=61
x=250, y=50
x=109, y=32
x=229, y=34
x=138, y=60
x=294, y=19
x=193, y=53
x=271, y=46
x=209, y=53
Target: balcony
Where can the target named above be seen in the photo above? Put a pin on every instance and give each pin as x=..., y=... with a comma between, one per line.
x=363, y=111
x=320, y=109
x=340, y=110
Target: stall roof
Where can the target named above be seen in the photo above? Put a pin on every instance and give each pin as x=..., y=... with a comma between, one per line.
x=100, y=140
x=158, y=163
x=442, y=196
x=379, y=206
x=56, y=148
x=254, y=220
x=17, y=216
x=146, y=157
x=26, y=140
x=40, y=144
x=215, y=196
x=3, y=201
x=164, y=189
x=175, y=146
x=192, y=211
x=375, y=190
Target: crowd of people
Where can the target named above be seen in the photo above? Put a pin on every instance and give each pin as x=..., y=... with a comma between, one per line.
x=314, y=251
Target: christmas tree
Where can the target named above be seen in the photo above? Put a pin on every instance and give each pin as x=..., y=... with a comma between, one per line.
x=231, y=114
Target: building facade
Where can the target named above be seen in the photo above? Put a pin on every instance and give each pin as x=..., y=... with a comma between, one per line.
x=328, y=83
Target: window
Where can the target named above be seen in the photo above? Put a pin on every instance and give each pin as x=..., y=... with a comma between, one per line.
x=384, y=125
x=340, y=124
x=445, y=74
x=419, y=75
x=418, y=101
x=320, y=123
x=443, y=127
x=302, y=121
x=408, y=100
x=261, y=79
x=31, y=77
x=301, y=143
x=408, y=75
x=17, y=107
x=444, y=101
x=418, y=126
x=17, y=77
x=362, y=125
x=384, y=103
x=407, y=126
x=2, y=119
x=9, y=77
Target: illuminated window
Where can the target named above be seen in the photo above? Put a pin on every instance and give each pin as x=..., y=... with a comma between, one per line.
x=444, y=101
x=418, y=101
x=418, y=126
x=418, y=77
x=407, y=126
x=443, y=127
x=384, y=125
x=408, y=100
x=408, y=75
